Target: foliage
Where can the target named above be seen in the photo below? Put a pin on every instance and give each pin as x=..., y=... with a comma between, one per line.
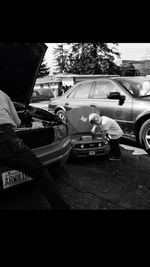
x=61, y=58
x=86, y=58
x=43, y=70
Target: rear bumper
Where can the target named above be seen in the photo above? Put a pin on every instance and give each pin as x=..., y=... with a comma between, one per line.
x=58, y=152
x=50, y=156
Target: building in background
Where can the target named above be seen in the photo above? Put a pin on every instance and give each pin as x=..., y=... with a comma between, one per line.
x=47, y=86
x=141, y=66
x=58, y=84
x=71, y=79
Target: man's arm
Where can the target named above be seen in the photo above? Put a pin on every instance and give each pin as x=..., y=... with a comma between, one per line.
x=104, y=132
x=93, y=129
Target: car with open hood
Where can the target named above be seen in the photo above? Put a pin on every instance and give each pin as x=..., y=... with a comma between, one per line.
x=83, y=142
x=124, y=99
x=42, y=131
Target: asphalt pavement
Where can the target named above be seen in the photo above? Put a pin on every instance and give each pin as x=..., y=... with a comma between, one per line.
x=93, y=183
x=96, y=183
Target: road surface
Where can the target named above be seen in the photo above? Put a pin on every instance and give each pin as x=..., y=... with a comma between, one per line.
x=92, y=183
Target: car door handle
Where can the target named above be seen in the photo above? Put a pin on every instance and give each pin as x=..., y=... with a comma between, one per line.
x=66, y=104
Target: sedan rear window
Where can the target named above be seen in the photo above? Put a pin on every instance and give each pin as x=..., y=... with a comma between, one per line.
x=81, y=91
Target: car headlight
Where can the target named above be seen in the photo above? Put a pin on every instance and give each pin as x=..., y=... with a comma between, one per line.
x=61, y=131
x=82, y=146
x=100, y=144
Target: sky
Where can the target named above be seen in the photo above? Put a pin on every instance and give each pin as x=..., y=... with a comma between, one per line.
x=134, y=51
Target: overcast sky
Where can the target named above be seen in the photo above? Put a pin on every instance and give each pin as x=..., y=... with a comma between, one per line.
x=134, y=51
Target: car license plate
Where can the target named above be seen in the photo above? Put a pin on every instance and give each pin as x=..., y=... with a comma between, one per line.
x=14, y=177
x=91, y=153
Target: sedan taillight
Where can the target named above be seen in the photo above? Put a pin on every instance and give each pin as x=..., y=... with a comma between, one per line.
x=61, y=131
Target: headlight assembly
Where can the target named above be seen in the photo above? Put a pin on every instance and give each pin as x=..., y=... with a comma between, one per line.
x=100, y=144
x=61, y=131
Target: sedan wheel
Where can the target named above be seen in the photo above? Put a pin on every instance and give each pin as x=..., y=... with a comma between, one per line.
x=144, y=136
x=62, y=115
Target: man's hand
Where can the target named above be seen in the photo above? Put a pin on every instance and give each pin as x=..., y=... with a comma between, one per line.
x=93, y=131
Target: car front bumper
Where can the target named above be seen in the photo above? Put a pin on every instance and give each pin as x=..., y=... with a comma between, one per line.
x=90, y=151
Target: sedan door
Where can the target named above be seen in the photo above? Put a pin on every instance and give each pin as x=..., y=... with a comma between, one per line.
x=79, y=97
x=112, y=108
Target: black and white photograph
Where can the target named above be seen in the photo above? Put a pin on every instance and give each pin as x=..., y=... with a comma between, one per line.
x=74, y=126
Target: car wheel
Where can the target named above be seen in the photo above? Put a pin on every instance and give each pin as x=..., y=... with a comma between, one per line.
x=144, y=136
x=62, y=115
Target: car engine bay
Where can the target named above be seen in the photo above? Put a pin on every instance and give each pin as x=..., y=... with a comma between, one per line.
x=39, y=121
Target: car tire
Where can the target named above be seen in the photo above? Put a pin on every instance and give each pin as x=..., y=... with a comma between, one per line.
x=144, y=136
x=62, y=115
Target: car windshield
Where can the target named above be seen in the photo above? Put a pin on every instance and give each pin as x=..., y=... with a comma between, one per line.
x=138, y=87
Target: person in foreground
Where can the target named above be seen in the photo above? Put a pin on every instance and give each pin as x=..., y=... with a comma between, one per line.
x=110, y=128
x=16, y=155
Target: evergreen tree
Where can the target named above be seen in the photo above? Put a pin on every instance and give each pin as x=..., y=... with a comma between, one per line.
x=87, y=58
x=43, y=70
x=61, y=61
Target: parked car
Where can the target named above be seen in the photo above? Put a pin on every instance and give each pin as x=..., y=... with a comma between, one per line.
x=42, y=131
x=125, y=99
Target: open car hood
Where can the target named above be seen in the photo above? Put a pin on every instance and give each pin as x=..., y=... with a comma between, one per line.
x=19, y=65
x=78, y=120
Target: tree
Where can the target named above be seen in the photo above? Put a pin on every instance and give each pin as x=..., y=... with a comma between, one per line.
x=87, y=58
x=43, y=70
x=61, y=58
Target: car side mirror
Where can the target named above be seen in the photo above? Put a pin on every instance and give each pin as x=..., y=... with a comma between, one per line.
x=117, y=95
x=114, y=95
